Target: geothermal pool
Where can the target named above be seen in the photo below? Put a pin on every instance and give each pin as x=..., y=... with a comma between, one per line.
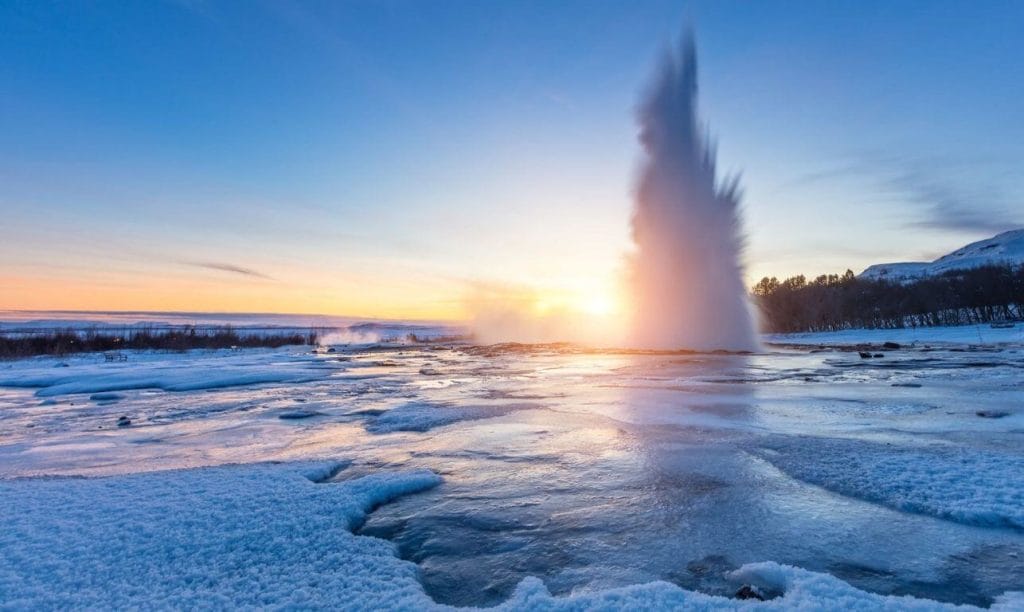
x=590, y=470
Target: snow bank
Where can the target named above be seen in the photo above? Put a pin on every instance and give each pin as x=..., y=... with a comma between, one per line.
x=952, y=482
x=228, y=537
x=802, y=590
x=268, y=536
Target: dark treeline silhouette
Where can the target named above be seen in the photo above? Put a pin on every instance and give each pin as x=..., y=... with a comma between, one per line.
x=833, y=302
x=70, y=340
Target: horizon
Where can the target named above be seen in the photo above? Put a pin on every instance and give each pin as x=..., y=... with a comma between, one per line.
x=343, y=319
x=346, y=161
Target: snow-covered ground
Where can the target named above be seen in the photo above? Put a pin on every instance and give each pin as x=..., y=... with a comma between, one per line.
x=270, y=536
x=524, y=477
x=919, y=336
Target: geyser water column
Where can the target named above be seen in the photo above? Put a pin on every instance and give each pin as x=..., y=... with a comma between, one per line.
x=687, y=280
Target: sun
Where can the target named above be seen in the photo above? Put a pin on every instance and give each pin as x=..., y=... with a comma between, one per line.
x=597, y=304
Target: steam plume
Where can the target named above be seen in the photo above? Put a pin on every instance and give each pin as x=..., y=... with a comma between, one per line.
x=687, y=280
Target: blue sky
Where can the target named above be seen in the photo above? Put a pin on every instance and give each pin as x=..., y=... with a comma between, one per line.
x=398, y=158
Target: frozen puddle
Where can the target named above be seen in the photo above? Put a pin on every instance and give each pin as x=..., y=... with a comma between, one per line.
x=514, y=476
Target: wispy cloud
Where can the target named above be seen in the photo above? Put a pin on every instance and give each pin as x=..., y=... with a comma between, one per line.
x=956, y=207
x=958, y=195
x=227, y=267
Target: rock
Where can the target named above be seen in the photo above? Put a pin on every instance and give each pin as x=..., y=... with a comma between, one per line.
x=878, y=355
x=864, y=355
x=891, y=345
x=749, y=592
x=992, y=414
x=124, y=421
x=911, y=385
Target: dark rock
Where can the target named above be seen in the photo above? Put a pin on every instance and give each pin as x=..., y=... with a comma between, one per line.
x=749, y=592
x=891, y=345
x=124, y=421
x=332, y=350
x=864, y=355
x=992, y=414
x=878, y=355
x=911, y=385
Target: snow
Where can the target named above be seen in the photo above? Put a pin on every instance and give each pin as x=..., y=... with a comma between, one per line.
x=190, y=371
x=961, y=334
x=268, y=536
x=967, y=485
x=1004, y=248
x=252, y=536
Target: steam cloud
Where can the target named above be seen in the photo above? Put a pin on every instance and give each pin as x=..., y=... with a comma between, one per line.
x=687, y=280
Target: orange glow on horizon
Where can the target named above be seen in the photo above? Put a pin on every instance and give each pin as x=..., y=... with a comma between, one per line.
x=576, y=301
x=19, y=293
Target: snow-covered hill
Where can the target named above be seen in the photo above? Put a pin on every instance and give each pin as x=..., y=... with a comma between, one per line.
x=1005, y=248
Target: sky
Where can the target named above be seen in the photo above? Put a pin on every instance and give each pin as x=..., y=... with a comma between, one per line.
x=415, y=159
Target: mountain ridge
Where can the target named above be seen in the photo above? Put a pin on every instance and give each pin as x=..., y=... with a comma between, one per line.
x=1002, y=249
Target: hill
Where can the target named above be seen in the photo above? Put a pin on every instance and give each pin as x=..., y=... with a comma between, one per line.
x=1006, y=248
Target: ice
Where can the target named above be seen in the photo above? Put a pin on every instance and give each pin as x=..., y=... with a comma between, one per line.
x=600, y=478
x=424, y=416
x=269, y=536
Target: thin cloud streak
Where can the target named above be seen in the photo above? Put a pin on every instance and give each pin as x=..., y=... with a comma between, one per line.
x=226, y=267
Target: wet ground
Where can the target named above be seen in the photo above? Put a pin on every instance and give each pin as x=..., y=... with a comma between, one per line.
x=899, y=474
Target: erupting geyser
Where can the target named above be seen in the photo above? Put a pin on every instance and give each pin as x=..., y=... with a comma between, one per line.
x=687, y=279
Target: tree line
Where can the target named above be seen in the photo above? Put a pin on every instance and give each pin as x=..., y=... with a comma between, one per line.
x=834, y=302
x=71, y=340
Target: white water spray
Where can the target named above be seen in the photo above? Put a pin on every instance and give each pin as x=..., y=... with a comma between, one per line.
x=687, y=279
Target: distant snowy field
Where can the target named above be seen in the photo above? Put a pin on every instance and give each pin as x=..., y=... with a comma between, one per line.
x=413, y=476
x=961, y=334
